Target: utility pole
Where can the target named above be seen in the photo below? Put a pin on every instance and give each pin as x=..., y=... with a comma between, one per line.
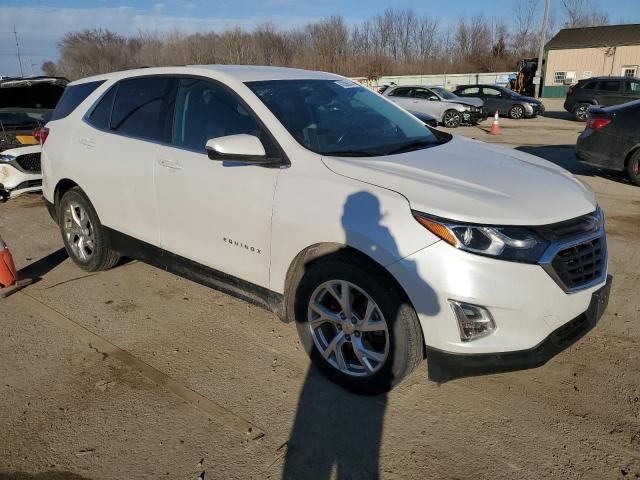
x=15, y=34
x=541, y=52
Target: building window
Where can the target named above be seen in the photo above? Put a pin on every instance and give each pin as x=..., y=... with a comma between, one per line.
x=559, y=77
x=629, y=71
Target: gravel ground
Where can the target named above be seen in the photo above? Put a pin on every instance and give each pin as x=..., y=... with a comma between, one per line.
x=135, y=373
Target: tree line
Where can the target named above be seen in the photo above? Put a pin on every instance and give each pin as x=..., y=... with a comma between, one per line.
x=397, y=41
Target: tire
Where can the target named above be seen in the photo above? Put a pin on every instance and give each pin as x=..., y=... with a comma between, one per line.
x=393, y=349
x=84, y=238
x=580, y=112
x=516, y=112
x=633, y=167
x=451, y=119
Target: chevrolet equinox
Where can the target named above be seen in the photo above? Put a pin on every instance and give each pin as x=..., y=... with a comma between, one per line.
x=303, y=192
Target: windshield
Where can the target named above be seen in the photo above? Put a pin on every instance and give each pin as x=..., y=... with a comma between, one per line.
x=444, y=93
x=339, y=117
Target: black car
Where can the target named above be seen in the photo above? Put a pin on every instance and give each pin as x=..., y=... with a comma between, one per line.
x=426, y=119
x=605, y=91
x=612, y=139
x=504, y=101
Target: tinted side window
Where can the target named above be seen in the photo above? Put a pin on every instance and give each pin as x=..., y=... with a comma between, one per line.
x=72, y=97
x=590, y=86
x=204, y=110
x=400, y=92
x=632, y=86
x=101, y=113
x=492, y=92
x=422, y=93
x=609, y=85
x=137, y=109
x=470, y=92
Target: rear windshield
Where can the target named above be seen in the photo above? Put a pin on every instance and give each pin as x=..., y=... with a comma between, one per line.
x=73, y=96
x=341, y=118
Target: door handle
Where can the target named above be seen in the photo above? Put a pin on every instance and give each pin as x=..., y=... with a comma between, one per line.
x=170, y=164
x=87, y=142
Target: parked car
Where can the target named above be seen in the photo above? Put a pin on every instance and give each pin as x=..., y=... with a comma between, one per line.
x=611, y=139
x=425, y=118
x=448, y=109
x=506, y=102
x=604, y=91
x=308, y=194
x=25, y=105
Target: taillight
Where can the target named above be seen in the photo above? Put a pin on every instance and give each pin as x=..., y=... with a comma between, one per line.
x=41, y=134
x=570, y=91
x=597, y=122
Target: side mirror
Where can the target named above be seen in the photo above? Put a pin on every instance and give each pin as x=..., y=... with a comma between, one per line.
x=433, y=98
x=242, y=148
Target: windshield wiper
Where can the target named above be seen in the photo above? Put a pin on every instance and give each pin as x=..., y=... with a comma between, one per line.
x=413, y=145
x=351, y=153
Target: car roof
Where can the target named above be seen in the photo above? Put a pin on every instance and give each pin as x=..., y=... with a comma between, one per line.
x=241, y=73
x=607, y=78
x=481, y=85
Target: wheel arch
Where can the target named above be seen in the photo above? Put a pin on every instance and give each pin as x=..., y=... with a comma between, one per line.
x=325, y=251
x=630, y=155
x=62, y=187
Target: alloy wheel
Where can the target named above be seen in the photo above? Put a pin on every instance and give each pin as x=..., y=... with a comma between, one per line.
x=517, y=112
x=348, y=328
x=581, y=112
x=451, y=119
x=78, y=231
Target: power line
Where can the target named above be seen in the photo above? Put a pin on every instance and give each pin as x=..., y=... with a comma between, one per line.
x=15, y=34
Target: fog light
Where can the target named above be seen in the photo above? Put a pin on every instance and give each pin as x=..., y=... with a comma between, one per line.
x=474, y=321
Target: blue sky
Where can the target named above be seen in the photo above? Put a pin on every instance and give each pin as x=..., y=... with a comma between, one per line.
x=40, y=24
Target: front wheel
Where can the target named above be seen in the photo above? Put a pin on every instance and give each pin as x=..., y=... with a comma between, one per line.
x=516, y=112
x=451, y=119
x=84, y=237
x=357, y=328
x=633, y=168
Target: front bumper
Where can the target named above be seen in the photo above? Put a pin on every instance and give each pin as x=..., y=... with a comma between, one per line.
x=526, y=304
x=14, y=181
x=445, y=366
x=474, y=117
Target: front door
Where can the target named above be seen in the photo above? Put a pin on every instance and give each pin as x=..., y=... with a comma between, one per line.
x=213, y=212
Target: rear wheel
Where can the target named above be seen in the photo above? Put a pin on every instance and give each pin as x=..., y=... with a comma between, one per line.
x=84, y=237
x=633, y=167
x=357, y=328
x=516, y=112
x=451, y=119
x=580, y=112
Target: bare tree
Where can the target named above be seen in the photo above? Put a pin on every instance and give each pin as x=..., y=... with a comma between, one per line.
x=583, y=13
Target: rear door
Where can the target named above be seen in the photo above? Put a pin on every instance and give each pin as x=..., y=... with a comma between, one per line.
x=215, y=213
x=610, y=92
x=422, y=100
x=493, y=100
x=119, y=145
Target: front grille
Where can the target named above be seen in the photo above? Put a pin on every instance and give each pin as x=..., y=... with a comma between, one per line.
x=581, y=264
x=570, y=229
x=29, y=162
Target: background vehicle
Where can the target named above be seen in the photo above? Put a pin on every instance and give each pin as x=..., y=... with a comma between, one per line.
x=25, y=105
x=425, y=118
x=611, y=139
x=604, y=91
x=310, y=195
x=503, y=100
x=523, y=82
x=448, y=109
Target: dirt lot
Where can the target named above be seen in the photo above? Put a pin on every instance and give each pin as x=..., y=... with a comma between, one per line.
x=136, y=373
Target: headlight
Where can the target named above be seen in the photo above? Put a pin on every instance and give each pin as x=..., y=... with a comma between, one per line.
x=516, y=244
x=533, y=105
x=6, y=158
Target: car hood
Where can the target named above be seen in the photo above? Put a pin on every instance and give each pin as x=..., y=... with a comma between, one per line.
x=470, y=181
x=528, y=100
x=474, y=102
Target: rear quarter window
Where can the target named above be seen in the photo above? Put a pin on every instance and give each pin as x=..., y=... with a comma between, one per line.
x=101, y=113
x=73, y=96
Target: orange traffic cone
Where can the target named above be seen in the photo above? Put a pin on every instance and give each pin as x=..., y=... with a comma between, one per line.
x=9, y=282
x=495, y=126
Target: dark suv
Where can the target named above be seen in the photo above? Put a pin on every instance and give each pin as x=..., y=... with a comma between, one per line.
x=604, y=91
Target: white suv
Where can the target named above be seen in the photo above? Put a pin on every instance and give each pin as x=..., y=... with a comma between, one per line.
x=305, y=193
